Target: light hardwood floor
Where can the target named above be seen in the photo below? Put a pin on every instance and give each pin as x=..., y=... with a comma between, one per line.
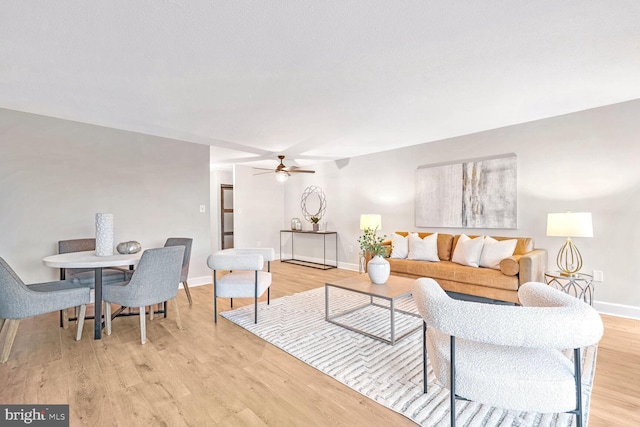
x=222, y=375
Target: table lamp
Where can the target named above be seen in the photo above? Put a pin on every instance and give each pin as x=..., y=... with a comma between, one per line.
x=569, y=224
x=372, y=221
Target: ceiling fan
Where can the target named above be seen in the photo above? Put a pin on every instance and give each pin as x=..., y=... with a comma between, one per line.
x=283, y=172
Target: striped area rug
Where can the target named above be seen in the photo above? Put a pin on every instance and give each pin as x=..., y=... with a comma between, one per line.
x=390, y=375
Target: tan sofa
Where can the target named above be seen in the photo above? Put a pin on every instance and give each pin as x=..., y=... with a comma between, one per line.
x=526, y=265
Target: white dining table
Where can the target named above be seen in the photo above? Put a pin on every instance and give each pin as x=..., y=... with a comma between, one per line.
x=89, y=259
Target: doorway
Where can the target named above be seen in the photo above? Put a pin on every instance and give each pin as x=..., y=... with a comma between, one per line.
x=226, y=216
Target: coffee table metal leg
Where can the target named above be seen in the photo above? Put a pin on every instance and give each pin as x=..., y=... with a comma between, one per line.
x=393, y=323
x=326, y=302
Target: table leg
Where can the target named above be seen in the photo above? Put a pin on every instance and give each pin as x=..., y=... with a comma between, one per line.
x=97, y=317
x=393, y=323
x=326, y=302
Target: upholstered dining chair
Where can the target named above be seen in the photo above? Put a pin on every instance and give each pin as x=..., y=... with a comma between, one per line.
x=184, y=274
x=508, y=356
x=19, y=301
x=155, y=280
x=186, y=242
x=246, y=278
x=84, y=276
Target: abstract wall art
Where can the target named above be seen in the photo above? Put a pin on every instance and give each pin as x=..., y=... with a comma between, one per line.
x=476, y=193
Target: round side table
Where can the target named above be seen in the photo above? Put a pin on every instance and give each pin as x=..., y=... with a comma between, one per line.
x=579, y=285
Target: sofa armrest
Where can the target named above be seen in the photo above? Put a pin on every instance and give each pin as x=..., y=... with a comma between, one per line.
x=532, y=266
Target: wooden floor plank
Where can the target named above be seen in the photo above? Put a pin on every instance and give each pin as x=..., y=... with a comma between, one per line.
x=221, y=375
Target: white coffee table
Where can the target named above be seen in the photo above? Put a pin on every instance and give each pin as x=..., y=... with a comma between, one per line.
x=393, y=290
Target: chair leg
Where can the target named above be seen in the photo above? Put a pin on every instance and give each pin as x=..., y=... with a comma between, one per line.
x=143, y=326
x=256, y=298
x=215, y=298
x=83, y=312
x=151, y=312
x=577, y=360
x=107, y=317
x=1, y=324
x=424, y=355
x=268, y=295
x=174, y=301
x=186, y=289
x=65, y=319
x=12, y=328
x=452, y=381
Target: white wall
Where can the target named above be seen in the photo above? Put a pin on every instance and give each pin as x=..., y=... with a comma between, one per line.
x=258, y=209
x=56, y=174
x=586, y=161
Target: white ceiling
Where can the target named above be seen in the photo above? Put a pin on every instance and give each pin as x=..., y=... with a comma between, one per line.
x=311, y=78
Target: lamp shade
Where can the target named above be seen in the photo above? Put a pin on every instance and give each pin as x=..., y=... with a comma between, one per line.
x=570, y=224
x=372, y=221
x=282, y=176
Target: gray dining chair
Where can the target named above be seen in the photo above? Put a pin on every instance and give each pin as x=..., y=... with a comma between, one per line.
x=184, y=274
x=154, y=281
x=85, y=276
x=19, y=301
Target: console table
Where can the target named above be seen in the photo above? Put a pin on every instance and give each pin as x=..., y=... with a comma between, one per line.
x=323, y=265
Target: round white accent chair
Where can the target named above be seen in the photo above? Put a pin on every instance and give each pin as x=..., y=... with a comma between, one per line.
x=508, y=356
x=246, y=278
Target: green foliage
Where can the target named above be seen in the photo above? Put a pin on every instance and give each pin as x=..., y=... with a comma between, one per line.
x=315, y=219
x=372, y=243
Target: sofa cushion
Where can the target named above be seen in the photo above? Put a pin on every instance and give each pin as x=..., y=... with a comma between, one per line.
x=468, y=251
x=450, y=271
x=510, y=265
x=423, y=249
x=524, y=245
x=495, y=251
x=399, y=246
x=445, y=244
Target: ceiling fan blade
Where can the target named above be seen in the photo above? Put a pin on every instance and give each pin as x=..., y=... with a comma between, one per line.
x=300, y=171
x=262, y=173
x=264, y=169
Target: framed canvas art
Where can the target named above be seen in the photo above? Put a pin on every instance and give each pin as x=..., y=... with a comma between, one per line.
x=476, y=193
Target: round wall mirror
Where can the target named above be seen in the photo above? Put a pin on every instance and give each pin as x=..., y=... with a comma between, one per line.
x=313, y=203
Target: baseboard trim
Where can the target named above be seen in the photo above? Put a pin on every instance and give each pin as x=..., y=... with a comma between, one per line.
x=619, y=310
x=198, y=281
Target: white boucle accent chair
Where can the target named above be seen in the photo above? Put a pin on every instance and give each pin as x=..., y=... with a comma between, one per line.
x=246, y=277
x=508, y=356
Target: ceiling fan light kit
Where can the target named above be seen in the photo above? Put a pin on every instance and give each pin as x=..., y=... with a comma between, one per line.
x=283, y=172
x=281, y=176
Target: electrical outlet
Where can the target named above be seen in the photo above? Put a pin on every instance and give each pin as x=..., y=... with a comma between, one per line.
x=259, y=244
x=350, y=249
x=598, y=276
x=203, y=208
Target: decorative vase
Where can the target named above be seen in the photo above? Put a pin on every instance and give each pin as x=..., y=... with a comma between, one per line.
x=316, y=226
x=104, y=234
x=131, y=247
x=295, y=224
x=378, y=270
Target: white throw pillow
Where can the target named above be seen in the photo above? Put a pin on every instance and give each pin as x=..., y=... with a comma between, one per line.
x=468, y=251
x=495, y=251
x=399, y=246
x=423, y=249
